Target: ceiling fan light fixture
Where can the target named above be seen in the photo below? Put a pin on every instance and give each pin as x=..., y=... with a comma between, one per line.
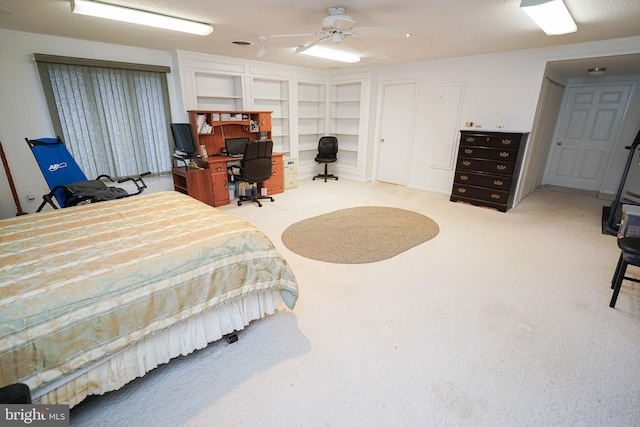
x=552, y=16
x=335, y=55
x=141, y=17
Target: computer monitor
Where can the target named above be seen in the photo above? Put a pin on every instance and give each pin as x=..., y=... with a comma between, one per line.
x=235, y=146
x=184, y=139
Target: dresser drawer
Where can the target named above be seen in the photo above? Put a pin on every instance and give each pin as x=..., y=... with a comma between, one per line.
x=482, y=180
x=482, y=165
x=479, y=193
x=488, y=153
x=511, y=141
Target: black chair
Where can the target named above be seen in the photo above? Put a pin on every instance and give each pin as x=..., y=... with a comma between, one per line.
x=327, y=153
x=630, y=247
x=255, y=167
x=15, y=394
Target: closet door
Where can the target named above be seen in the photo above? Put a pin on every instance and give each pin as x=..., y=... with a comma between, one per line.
x=395, y=133
x=586, y=134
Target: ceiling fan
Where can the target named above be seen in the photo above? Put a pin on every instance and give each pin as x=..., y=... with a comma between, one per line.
x=338, y=27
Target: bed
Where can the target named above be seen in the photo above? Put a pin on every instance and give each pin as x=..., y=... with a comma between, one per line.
x=94, y=296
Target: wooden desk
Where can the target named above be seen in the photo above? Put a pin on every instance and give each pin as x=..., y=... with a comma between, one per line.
x=211, y=185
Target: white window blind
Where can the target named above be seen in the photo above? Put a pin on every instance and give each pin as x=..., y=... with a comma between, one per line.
x=113, y=120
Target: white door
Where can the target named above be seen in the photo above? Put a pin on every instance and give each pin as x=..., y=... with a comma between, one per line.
x=586, y=134
x=395, y=133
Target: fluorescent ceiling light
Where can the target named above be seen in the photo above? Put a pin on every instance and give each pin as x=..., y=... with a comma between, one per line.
x=134, y=16
x=550, y=15
x=326, y=53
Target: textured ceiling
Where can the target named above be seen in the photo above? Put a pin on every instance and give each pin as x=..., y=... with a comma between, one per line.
x=439, y=28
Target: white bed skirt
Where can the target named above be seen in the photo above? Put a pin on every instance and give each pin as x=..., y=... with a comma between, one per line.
x=181, y=339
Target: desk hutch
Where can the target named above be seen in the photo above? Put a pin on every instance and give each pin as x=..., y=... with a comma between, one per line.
x=211, y=185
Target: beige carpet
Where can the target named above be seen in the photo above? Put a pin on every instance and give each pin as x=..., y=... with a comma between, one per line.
x=502, y=320
x=359, y=235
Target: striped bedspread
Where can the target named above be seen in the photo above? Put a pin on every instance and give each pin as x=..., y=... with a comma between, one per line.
x=82, y=283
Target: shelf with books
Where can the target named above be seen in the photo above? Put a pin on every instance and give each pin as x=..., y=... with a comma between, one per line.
x=212, y=127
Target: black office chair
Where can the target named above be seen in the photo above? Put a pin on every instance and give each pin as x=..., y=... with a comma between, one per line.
x=15, y=394
x=327, y=153
x=630, y=254
x=255, y=167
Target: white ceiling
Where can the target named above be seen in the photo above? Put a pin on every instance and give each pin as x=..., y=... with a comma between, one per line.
x=439, y=28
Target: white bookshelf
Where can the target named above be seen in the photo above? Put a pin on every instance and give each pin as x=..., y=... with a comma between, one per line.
x=345, y=120
x=218, y=92
x=312, y=122
x=273, y=95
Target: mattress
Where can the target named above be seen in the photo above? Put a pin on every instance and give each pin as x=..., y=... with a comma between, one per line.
x=81, y=285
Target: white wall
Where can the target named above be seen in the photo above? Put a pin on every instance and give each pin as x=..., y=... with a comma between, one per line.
x=501, y=93
x=23, y=109
x=500, y=90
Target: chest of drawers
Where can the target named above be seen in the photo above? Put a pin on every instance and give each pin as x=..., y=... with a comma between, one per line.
x=488, y=168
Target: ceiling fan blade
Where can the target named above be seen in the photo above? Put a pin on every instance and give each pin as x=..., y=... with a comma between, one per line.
x=357, y=43
x=297, y=35
x=302, y=48
x=380, y=32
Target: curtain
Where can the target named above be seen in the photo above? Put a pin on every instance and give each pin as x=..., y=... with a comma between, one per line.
x=113, y=120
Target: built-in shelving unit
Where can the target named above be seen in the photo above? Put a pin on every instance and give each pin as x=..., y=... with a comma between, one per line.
x=312, y=121
x=344, y=120
x=218, y=92
x=304, y=106
x=273, y=95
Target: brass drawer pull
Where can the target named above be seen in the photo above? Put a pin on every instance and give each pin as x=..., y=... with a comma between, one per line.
x=462, y=190
x=466, y=163
x=468, y=150
x=464, y=177
x=495, y=196
x=218, y=168
x=470, y=139
x=504, y=154
x=497, y=182
x=501, y=167
x=506, y=142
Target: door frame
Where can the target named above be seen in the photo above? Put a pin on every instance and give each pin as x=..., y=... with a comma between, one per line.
x=414, y=107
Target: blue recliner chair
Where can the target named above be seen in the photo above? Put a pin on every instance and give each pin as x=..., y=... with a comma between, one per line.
x=68, y=184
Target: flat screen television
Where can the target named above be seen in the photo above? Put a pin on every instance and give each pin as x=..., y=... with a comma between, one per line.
x=235, y=146
x=184, y=140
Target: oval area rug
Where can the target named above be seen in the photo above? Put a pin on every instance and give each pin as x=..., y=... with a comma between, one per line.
x=359, y=235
